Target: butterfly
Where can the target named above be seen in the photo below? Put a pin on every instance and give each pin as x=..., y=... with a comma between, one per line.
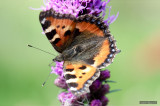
x=84, y=43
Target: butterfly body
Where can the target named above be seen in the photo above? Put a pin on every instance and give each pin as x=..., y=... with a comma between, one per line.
x=84, y=44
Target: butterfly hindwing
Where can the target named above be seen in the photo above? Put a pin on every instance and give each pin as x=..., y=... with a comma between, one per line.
x=94, y=27
x=58, y=28
x=79, y=76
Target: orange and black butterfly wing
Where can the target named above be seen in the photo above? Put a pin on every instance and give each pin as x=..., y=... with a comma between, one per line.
x=58, y=28
x=79, y=76
x=92, y=28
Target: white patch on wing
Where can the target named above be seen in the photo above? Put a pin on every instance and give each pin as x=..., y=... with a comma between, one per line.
x=73, y=89
x=94, y=65
x=87, y=69
x=72, y=80
x=43, y=21
x=49, y=29
x=55, y=36
x=73, y=72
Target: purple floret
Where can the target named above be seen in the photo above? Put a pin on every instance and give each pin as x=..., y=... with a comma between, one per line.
x=96, y=103
x=103, y=90
x=104, y=100
x=96, y=85
x=104, y=75
x=95, y=7
x=68, y=99
x=58, y=69
x=61, y=82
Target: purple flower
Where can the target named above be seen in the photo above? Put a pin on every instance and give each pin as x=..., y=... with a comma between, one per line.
x=111, y=19
x=61, y=82
x=81, y=7
x=95, y=7
x=104, y=101
x=102, y=91
x=96, y=103
x=58, y=69
x=104, y=75
x=65, y=6
x=96, y=85
x=68, y=99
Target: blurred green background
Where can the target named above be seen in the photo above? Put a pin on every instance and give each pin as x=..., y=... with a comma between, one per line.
x=23, y=70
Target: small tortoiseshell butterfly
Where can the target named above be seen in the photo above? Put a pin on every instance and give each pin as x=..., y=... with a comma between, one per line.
x=84, y=44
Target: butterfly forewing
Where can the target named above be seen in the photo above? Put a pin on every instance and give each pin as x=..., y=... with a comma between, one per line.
x=58, y=28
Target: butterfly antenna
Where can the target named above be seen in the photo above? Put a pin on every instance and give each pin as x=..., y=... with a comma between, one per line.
x=51, y=63
x=46, y=79
x=40, y=50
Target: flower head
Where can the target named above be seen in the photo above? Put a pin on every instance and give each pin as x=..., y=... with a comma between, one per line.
x=81, y=7
x=65, y=6
x=98, y=89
